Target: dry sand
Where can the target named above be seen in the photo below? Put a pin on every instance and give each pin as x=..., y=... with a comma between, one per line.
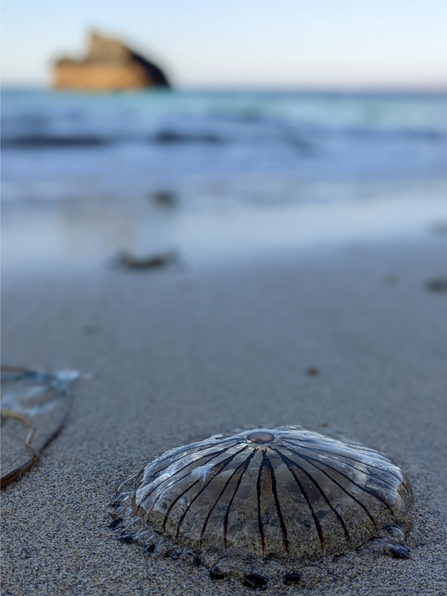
x=181, y=354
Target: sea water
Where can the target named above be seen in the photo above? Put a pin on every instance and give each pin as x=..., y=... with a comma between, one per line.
x=80, y=171
x=69, y=145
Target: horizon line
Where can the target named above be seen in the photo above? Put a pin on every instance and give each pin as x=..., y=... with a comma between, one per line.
x=252, y=88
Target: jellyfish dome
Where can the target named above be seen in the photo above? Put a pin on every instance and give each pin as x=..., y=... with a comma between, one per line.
x=283, y=492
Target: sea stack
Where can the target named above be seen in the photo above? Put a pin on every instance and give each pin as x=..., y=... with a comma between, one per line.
x=109, y=66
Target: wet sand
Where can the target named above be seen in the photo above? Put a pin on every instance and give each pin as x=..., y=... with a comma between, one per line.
x=184, y=353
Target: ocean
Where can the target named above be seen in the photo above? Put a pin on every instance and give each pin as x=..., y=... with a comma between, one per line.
x=153, y=171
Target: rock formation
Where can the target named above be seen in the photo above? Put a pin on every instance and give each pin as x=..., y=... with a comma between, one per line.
x=109, y=66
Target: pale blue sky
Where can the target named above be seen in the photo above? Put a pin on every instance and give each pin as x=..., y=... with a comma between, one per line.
x=392, y=44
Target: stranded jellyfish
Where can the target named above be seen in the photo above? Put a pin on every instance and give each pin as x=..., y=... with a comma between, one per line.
x=285, y=494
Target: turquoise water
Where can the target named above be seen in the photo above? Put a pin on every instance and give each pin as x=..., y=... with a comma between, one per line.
x=378, y=111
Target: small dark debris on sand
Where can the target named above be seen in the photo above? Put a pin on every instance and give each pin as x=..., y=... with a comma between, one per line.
x=397, y=551
x=216, y=573
x=126, y=538
x=436, y=285
x=127, y=261
x=254, y=580
x=116, y=522
x=149, y=548
x=292, y=578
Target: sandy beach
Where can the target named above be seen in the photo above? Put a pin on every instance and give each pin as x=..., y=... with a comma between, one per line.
x=187, y=352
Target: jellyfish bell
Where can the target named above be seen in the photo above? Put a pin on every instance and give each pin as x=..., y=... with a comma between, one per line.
x=283, y=493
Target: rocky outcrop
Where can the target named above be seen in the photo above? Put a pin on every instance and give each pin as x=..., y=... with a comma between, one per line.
x=109, y=66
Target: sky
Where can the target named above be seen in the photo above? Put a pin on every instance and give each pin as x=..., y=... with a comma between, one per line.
x=274, y=44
